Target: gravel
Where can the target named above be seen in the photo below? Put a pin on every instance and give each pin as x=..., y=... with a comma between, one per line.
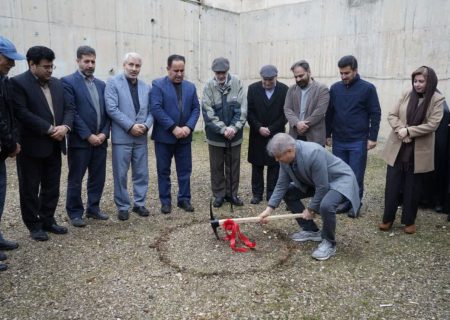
x=172, y=267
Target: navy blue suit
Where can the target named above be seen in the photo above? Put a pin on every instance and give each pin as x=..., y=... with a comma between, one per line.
x=167, y=115
x=81, y=154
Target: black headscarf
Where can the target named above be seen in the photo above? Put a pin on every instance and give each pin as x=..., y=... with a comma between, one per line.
x=415, y=113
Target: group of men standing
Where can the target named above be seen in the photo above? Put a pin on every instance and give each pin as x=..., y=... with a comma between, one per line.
x=87, y=110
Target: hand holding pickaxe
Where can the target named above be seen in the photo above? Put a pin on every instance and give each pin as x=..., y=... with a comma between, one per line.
x=265, y=216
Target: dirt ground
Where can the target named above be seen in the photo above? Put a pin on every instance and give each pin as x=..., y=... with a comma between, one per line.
x=172, y=267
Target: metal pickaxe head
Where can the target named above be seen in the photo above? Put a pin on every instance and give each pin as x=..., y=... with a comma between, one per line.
x=214, y=222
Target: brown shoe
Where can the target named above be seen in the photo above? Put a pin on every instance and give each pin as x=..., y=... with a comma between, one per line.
x=410, y=229
x=385, y=226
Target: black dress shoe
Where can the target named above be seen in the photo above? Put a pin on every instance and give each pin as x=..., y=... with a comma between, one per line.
x=235, y=200
x=55, y=228
x=123, y=215
x=186, y=206
x=3, y=267
x=142, y=211
x=39, y=235
x=166, y=208
x=218, y=202
x=100, y=215
x=8, y=245
x=256, y=200
x=3, y=256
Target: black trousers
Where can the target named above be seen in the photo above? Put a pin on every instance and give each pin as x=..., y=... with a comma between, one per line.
x=258, y=179
x=402, y=186
x=39, y=180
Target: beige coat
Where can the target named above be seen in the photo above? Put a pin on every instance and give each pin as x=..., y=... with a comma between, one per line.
x=316, y=108
x=423, y=134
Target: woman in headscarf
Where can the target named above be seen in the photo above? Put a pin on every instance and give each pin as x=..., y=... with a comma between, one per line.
x=409, y=150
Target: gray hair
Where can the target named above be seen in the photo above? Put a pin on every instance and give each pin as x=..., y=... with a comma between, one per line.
x=302, y=63
x=279, y=144
x=129, y=55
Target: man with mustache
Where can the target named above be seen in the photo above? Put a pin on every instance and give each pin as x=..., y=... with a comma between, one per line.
x=175, y=107
x=88, y=140
x=353, y=120
x=127, y=104
x=305, y=109
x=306, y=105
x=45, y=118
x=224, y=107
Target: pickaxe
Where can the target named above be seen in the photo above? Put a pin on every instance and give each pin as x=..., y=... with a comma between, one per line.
x=216, y=223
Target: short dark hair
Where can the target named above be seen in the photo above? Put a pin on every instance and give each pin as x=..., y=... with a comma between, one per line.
x=85, y=51
x=174, y=57
x=348, y=61
x=38, y=53
x=302, y=63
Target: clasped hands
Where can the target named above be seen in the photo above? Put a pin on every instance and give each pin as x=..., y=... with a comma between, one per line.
x=96, y=139
x=181, y=132
x=58, y=132
x=229, y=133
x=302, y=127
x=402, y=134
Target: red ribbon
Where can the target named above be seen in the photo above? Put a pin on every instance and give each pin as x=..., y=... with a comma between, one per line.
x=232, y=229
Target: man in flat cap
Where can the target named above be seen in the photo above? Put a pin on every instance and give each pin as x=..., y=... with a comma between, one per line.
x=224, y=108
x=8, y=134
x=266, y=118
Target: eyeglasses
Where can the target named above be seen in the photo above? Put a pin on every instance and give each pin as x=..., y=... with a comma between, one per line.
x=47, y=67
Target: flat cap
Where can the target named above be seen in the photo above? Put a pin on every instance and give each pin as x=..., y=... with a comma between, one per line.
x=268, y=71
x=220, y=65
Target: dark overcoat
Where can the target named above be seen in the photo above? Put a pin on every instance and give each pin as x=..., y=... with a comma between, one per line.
x=263, y=112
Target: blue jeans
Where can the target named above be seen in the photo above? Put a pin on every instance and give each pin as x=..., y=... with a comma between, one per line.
x=2, y=187
x=355, y=155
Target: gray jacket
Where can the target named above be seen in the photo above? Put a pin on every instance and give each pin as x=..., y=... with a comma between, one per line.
x=316, y=108
x=319, y=169
x=120, y=108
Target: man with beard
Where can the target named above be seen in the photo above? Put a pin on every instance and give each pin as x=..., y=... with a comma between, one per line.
x=305, y=109
x=224, y=108
x=88, y=140
x=353, y=120
x=306, y=105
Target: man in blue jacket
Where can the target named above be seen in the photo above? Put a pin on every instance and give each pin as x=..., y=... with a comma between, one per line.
x=87, y=141
x=127, y=104
x=175, y=108
x=353, y=120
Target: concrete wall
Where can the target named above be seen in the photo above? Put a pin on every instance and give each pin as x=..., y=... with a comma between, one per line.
x=389, y=38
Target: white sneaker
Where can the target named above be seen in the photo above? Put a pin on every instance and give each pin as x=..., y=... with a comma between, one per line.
x=302, y=236
x=324, y=251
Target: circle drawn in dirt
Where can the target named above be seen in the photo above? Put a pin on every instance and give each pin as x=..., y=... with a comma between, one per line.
x=194, y=249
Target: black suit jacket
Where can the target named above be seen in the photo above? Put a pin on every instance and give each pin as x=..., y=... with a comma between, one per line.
x=35, y=117
x=263, y=112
